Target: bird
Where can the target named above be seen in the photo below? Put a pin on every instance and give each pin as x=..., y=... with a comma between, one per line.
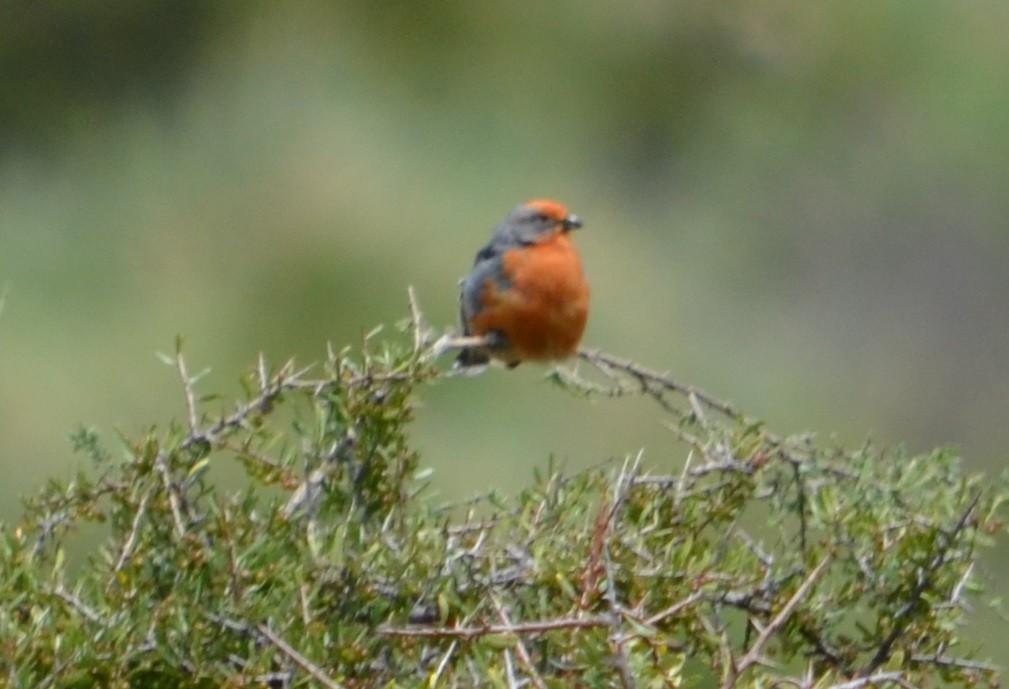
x=526, y=296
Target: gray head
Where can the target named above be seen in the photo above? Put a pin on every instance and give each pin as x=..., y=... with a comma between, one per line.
x=534, y=221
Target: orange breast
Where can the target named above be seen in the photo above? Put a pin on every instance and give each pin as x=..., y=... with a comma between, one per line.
x=542, y=312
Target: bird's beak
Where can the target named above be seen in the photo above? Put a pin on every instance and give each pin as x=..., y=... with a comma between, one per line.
x=572, y=222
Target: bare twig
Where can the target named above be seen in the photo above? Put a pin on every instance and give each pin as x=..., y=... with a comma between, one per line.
x=892, y=677
x=957, y=592
x=648, y=379
x=80, y=606
x=675, y=608
x=520, y=647
x=616, y=620
x=682, y=481
x=57, y=673
x=442, y=664
x=271, y=388
x=131, y=539
x=416, y=321
x=306, y=611
x=264, y=377
x=509, y=669
x=307, y=494
x=251, y=455
x=755, y=655
x=286, y=379
x=531, y=628
x=959, y=663
x=298, y=659
x=187, y=386
x=621, y=486
x=449, y=342
x=174, y=501
x=656, y=385
x=766, y=560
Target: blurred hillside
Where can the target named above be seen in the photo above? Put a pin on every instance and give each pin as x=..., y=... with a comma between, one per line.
x=797, y=206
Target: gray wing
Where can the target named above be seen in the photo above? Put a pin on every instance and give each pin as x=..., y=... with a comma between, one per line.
x=488, y=266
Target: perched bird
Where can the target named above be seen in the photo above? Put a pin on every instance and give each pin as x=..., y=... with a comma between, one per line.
x=527, y=294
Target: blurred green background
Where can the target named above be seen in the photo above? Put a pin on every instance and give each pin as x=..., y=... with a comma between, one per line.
x=797, y=206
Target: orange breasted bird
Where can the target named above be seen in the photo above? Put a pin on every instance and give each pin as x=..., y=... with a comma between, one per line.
x=527, y=294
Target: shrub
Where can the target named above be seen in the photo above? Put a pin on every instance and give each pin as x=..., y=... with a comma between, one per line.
x=763, y=561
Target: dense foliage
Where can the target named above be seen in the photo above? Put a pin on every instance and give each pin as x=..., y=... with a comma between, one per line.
x=764, y=560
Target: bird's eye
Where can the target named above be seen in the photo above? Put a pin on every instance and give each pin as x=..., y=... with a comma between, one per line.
x=542, y=217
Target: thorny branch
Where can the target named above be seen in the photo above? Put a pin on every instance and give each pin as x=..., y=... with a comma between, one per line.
x=621, y=487
x=477, y=631
x=629, y=376
x=304, y=663
x=620, y=623
x=756, y=652
x=651, y=382
x=901, y=618
x=80, y=606
x=880, y=678
x=520, y=648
